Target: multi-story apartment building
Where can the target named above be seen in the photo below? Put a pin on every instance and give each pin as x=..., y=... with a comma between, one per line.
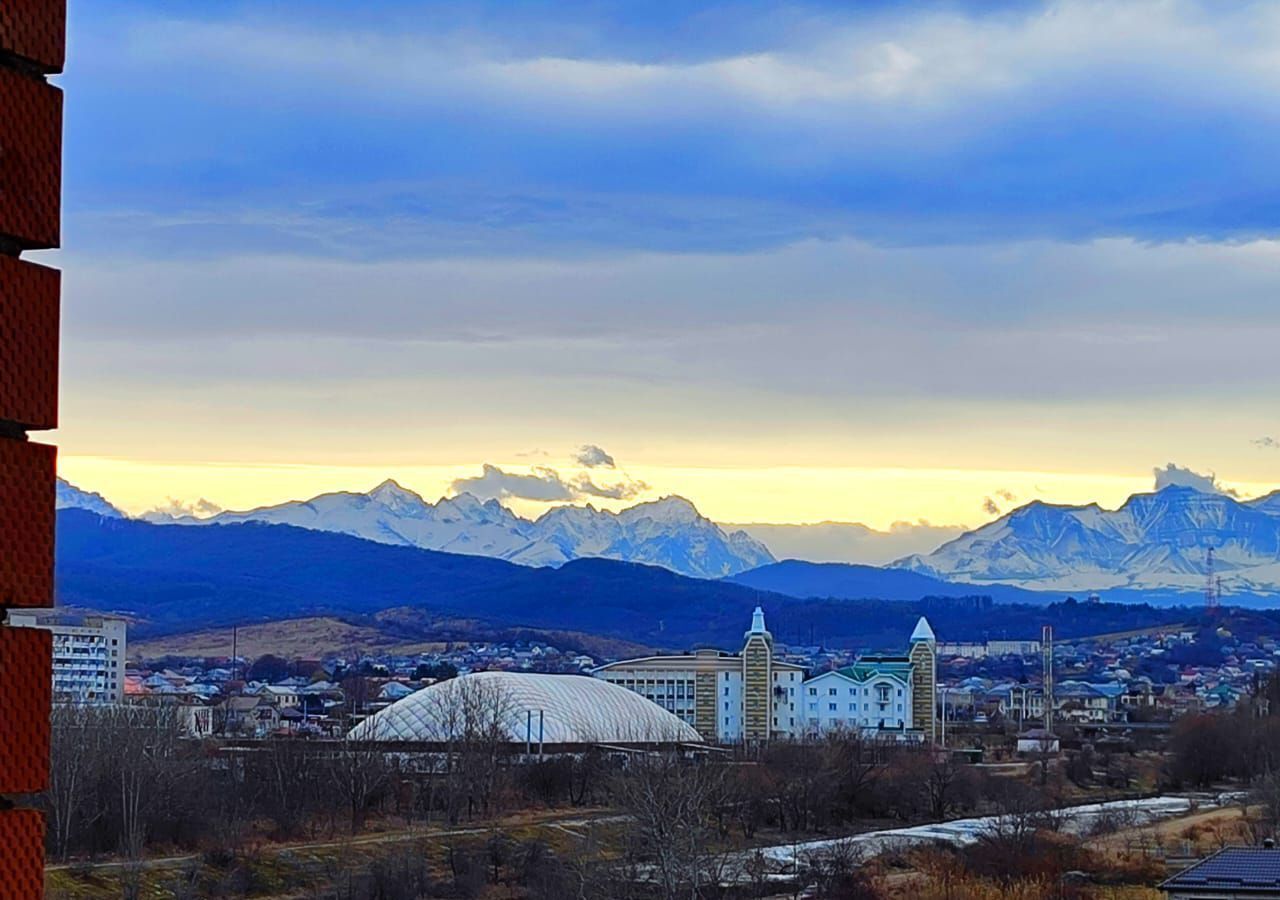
x=88, y=654
x=727, y=697
x=753, y=696
x=983, y=649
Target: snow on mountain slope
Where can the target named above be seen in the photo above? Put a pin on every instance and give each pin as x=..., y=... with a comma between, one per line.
x=668, y=532
x=72, y=497
x=1157, y=540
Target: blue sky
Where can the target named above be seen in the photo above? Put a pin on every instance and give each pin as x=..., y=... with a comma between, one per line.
x=574, y=128
x=705, y=236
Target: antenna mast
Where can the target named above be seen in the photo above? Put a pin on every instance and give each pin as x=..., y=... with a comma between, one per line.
x=1212, y=583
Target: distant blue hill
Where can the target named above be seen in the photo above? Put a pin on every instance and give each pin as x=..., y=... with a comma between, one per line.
x=180, y=579
x=848, y=581
x=797, y=578
x=175, y=580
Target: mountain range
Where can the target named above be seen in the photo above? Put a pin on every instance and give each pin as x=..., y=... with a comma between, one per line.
x=176, y=581
x=669, y=532
x=1154, y=541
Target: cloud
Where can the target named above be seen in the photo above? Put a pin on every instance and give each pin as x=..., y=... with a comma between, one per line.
x=1266, y=443
x=545, y=485
x=592, y=457
x=850, y=542
x=175, y=508
x=992, y=508
x=922, y=124
x=542, y=484
x=1174, y=475
x=622, y=490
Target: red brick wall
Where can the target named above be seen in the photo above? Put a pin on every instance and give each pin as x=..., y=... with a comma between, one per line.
x=29, y=343
x=32, y=46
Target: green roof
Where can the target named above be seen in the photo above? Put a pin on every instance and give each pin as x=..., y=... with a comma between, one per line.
x=865, y=671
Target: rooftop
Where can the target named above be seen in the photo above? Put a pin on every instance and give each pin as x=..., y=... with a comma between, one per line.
x=1242, y=870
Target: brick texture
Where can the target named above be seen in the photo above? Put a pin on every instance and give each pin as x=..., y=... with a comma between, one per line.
x=26, y=655
x=27, y=491
x=35, y=31
x=30, y=160
x=22, y=854
x=28, y=344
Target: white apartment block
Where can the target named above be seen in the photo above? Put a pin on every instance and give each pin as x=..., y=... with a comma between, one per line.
x=838, y=700
x=88, y=654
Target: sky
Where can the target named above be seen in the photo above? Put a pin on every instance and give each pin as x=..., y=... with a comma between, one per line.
x=904, y=263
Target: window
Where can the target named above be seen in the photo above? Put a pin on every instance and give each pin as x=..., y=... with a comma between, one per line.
x=831, y=692
x=813, y=692
x=831, y=707
x=813, y=707
x=726, y=706
x=853, y=707
x=726, y=690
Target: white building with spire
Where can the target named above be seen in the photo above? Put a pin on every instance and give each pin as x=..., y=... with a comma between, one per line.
x=753, y=697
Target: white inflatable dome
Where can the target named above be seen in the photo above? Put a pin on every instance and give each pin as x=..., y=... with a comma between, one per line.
x=568, y=709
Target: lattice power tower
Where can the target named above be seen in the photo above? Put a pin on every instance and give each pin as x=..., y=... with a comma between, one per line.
x=1212, y=583
x=1046, y=653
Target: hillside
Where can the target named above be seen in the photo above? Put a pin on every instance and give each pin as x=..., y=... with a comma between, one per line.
x=181, y=579
x=797, y=578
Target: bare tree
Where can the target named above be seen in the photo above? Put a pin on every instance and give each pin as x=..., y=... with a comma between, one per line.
x=473, y=720
x=75, y=751
x=671, y=802
x=358, y=774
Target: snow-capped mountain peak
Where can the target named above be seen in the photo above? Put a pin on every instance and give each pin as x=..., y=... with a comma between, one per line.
x=672, y=509
x=1157, y=540
x=669, y=532
x=71, y=497
x=393, y=496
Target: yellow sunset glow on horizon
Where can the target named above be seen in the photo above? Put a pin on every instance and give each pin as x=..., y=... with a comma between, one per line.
x=875, y=496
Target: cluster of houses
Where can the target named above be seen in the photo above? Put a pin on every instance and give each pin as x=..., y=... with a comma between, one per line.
x=225, y=696
x=1153, y=676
